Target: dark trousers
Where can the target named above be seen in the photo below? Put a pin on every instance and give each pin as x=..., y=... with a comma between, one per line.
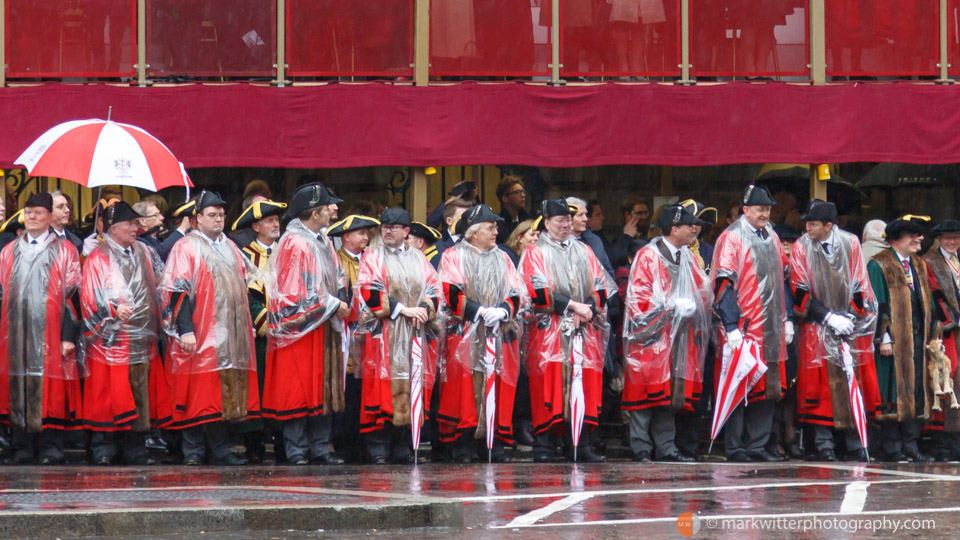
x=748, y=428
x=900, y=437
x=307, y=436
x=389, y=442
x=214, y=434
x=946, y=445
x=131, y=445
x=47, y=444
x=651, y=428
x=823, y=438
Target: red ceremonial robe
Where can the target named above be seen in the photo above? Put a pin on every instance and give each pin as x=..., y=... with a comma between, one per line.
x=837, y=283
x=126, y=387
x=386, y=278
x=301, y=309
x=209, y=385
x=39, y=388
x=664, y=353
x=472, y=280
x=750, y=276
x=554, y=275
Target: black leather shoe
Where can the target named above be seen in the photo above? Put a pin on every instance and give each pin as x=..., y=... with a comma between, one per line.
x=739, y=457
x=793, y=451
x=763, y=457
x=545, y=457
x=826, y=455
x=918, y=457
x=327, y=459
x=587, y=455
x=642, y=457
x=104, y=461
x=499, y=457
x=230, y=460
x=191, y=461
x=50, y=461
x=677, y=458
x=898, y=457
x=378, y=460
x=299, y=462
x=143, y=460
x=406, y=459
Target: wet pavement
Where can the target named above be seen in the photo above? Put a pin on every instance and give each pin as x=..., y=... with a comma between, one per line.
x=523, y=500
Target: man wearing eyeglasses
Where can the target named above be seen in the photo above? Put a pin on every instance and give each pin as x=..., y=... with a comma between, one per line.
x=211, y=358
x=150, y=227
x=513, y=202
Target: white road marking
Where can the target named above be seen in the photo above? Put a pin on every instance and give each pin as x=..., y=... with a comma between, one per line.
x=555, y=495
x=531, y=518
x=800, y=515
x=854, y=498
x=859, y=469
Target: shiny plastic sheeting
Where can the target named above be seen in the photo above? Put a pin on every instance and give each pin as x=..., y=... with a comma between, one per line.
x=488, y=278
x=371, y=38
x=749, y=38
x=755, y=268
x=618, y=37
x=212, y=38
x=833, y=279
x=113, y=283
x=211, y=279
x=489, y=37
x=302, y=279
x=38, y=281
x=71, y=38
x=407, y=277
x=572, y=272
x=667, y=324
x=882, y=37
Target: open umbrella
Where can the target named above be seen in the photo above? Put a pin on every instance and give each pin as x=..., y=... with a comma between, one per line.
x=490, y=392
x=896, y=175
x=796, y=180
x=856, y=396
x=741, y=370
x=577, y=401
x=101, y=152
x=416, y=392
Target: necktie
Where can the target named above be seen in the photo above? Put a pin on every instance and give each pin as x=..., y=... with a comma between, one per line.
x=826, y=248
x=33, y=242
x=908, y=273
x=762, y=233
x=955, y=265
x=128, y=253
x=269, y=251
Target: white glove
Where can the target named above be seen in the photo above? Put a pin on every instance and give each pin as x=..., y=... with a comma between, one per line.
x=685, y=307
x=734, y=339
x=492, y=316
x=788, y=332
x=840, y=325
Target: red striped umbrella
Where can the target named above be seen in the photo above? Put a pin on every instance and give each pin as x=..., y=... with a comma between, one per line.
x=856, y=396
x=490, y=393
x=741, y=370
x=577, y=401
x=416, y=392
x=100, y=152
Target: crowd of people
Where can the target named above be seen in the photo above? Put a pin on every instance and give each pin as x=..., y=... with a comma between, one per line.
x=356, y=337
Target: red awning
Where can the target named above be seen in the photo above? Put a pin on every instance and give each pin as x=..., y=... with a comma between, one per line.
x=342, y=125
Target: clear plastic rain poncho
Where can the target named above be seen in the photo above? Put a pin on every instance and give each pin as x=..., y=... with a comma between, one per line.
x=667, y=321
x=210, y=280
x=115, y=280
x=574, y=272
x=835, y=280
x=755, y=267
x=300, y=303
x=408, y=278
x=488, y=278
x=38, y=281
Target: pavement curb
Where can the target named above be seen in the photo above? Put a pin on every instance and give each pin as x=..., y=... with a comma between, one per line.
x=165, y=521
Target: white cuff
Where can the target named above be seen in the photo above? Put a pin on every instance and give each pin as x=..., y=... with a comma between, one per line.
x=397, y=310
x=886, y=338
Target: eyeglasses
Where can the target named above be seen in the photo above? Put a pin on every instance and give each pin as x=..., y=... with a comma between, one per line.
x=640, y=213
x=153, y=215
x=516, y=192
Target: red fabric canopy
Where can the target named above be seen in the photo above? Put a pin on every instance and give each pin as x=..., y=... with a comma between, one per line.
x=473, y=124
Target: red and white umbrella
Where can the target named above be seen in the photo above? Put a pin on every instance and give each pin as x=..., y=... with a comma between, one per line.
x=101, y=152
x=741, y=370
x=490, y=392
x=577, y=401
x=856, y=396
x=416, y=391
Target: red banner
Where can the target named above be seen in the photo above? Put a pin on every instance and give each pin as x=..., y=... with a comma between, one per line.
x=473, y=124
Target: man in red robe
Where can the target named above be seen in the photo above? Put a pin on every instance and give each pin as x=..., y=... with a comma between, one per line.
x=306, y=291
x=568, y=291
x=39, y=376
x=483, y=292
x=399, y=298
x=752, y=294
x=833, y=298
x=666, y=333
x=211, y=361
x=125, y=392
